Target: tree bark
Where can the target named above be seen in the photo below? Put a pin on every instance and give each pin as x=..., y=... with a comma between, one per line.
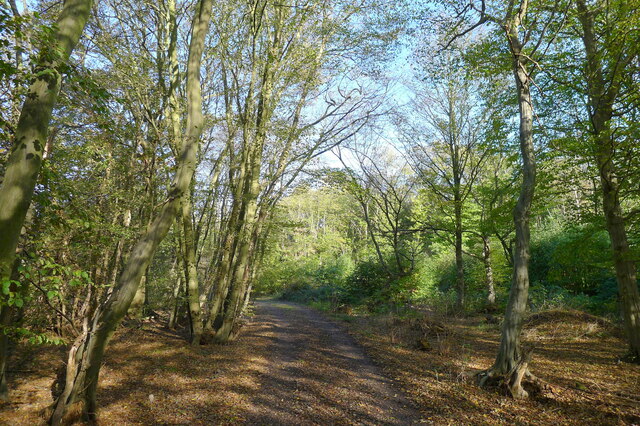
x=136, y=310
x=191, y=272
x=5, y=321
x=488, y=272
x=175, y=302
x=509, y=352
x=86, y=354
x=460, y=286
x=602, y=95
x=25, y=160
x=238, y=275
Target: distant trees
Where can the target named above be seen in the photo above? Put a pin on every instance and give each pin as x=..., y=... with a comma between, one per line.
x=380, y=183
x=444, y=135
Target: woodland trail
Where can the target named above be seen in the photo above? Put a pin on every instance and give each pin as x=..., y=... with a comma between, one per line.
x=319, y=374
x=290, y=366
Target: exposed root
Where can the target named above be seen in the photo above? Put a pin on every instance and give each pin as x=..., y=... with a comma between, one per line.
x=512, y=382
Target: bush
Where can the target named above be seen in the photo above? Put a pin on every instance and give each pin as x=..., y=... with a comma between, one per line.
x=307, y=281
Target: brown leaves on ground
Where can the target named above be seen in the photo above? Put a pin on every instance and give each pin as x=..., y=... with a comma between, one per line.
x=152, y=376
x=291, y=364
x=577, y=356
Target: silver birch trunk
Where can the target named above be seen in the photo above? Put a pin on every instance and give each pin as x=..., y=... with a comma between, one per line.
x=488, y=273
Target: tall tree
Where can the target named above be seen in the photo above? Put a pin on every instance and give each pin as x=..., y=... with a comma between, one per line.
x=25, y=160
x=611, y=39
x=86, y=354
x=524, y=26
x=444, y=136
x=283, y=107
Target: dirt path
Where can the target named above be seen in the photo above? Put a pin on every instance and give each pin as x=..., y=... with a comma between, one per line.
x=317, y=374
x=290, y=366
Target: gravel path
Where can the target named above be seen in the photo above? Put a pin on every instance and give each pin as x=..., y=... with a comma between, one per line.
x=317, y=374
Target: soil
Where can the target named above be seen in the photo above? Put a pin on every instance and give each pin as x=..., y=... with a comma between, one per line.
x=319, y=374
x=290, y=365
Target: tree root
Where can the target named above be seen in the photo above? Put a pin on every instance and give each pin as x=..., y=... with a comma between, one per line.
x=512, y=382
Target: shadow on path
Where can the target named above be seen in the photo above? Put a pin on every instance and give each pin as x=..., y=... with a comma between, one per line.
x=318, y=374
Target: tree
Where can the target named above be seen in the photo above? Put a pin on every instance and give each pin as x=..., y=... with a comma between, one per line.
x=284, y=106
x=610, y=36
x=25, y=160
x=524, y=26
x=86, y=354
x=444, y=137
x=385, y=193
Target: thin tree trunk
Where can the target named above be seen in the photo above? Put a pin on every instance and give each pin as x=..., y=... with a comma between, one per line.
x=86, y=354
x=236, y=287
x=248, y=236
x=5, y=321
x=460, y=285
x=173, y=316
x=220, y=288
x=509, y=352
x=488, y=272
x=191, y=272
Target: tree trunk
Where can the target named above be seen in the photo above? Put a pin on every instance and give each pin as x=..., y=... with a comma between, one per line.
x=240, y=280
x=136, y=310
x=5, y=321
x=602, y=96
x=220, y=288
x=622, y=260
x=25, y=160
x=173, y=315
x=191, y=272
x=488, y=273
x=86, y=354
x=236, y=288
x=509, y=351
x=460, y=287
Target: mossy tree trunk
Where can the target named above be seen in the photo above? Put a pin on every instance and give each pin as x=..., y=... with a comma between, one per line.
x=25, y=160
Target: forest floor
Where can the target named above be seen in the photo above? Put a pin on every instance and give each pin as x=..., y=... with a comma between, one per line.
x=576, y=356
x=291, y=365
